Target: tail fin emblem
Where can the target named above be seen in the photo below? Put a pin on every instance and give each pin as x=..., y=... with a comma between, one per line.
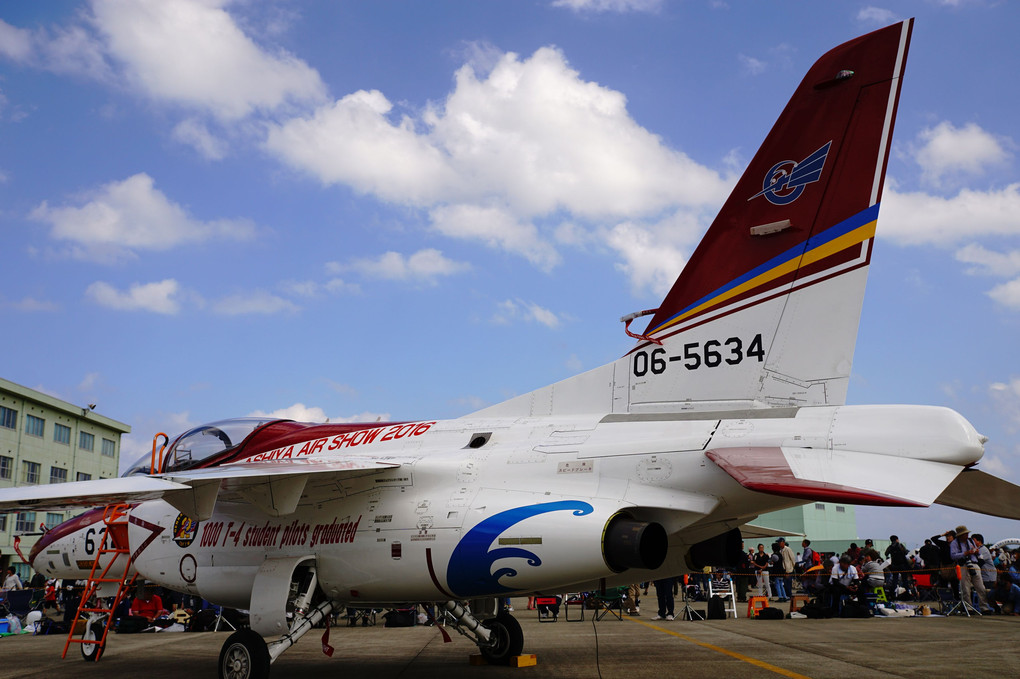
x=786, y=180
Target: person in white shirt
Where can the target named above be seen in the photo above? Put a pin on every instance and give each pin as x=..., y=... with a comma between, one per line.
x=12, y=581
x=843, y=573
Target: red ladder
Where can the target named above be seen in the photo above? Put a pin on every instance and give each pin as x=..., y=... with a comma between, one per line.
x=115, y=542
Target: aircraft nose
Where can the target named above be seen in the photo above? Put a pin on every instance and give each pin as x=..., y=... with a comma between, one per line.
x=36, y=550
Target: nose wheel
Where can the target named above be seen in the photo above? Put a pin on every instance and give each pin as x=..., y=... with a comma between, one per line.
x=244, y=656
x=91, y=652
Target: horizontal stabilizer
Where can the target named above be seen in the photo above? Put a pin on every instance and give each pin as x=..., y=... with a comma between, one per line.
x=59, y=496
x=750, y=531
x=977, y=491
x=836, y=475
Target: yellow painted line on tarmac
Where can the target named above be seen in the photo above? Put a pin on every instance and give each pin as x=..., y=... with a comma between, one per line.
x=719, y=649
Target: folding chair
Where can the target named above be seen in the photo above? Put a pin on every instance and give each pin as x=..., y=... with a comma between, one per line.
x=606, y=603
x=925, y=587
x=950, y=605
x=576, y=600
x=551, y=604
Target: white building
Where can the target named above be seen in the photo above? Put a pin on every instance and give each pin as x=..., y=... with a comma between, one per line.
x=46, y=440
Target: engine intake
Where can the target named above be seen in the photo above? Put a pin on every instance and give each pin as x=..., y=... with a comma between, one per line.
x=633, y=544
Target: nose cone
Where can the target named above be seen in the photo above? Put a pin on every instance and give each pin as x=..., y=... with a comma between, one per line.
x=59, y=540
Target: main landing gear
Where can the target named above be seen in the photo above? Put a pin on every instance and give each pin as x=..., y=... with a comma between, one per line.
x=498, y=639
x=246, y=655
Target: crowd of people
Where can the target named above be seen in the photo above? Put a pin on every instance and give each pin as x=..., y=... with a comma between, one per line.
x=145, y=606
x=987, y=579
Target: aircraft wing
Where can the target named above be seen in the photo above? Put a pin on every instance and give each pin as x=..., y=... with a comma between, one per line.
x=977, y=491
x=837, y=475
x=58, y=496
x=274, y=487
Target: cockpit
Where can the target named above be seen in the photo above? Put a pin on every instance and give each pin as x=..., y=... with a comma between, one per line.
x=202, y=444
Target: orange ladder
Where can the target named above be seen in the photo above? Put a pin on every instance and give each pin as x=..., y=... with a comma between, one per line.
x=115, y=542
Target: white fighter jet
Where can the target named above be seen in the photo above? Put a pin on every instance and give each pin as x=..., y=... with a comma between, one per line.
x=730, y=404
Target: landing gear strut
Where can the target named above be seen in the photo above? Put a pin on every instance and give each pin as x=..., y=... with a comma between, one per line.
x=498, y=639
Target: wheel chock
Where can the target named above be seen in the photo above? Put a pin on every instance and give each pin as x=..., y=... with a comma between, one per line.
x=526, y=660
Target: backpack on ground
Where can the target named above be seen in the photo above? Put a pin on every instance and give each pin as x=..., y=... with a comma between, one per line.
x=770, y=614
x=716, y=608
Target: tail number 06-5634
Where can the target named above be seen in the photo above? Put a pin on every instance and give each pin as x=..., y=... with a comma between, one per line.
x=708, y=354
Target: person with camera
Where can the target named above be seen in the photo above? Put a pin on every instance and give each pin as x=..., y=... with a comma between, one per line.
x=964, y=554
x=989, y=574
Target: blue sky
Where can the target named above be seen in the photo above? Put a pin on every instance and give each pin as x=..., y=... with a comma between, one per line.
x=411, y=210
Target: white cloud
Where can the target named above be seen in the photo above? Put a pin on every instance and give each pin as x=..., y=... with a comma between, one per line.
x=424, y=265
x=497, y=228
x=15, y=43
x=299, y=412
x=989, y=263
x=31, y=304
x=995, y=465
x=654, y=254
x=752, y=65
x=876, y=15
x=610, y=5
x=193, y=53
x=73, y=50
x=353, y=142
x=919, y=218
x=516, y=141
x=946, y=150
x=157, y=297
x=194, y=133
x=302, y=413
x=1006, y=398
x=129, y=215
x=257, y=302
x=62, y=50
x=1007, y=294
x=510, y=310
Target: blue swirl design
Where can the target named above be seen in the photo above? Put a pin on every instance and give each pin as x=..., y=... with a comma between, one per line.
x=469, y=572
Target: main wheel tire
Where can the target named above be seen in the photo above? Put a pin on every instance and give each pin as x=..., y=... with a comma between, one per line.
x=92, y=652
x=507, y=639
x=244, y=656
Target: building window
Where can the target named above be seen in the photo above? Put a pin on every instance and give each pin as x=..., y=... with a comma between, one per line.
x=3, y=523
x=8, y=418
x=6, y=466
x=25, y=522
x=82, y=476
x=53, y=520
x=58, y=475
x=61, y=434
x=32, y=470
x=819, y=505
x=109, y=448
x=86, y=441
x=34, y=426
x=840, y=510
